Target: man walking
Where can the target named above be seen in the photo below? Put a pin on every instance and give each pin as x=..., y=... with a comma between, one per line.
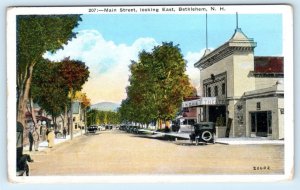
x=30, y=137
x=64, y=133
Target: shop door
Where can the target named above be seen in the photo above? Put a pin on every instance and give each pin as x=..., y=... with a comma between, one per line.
x=261, y=123
x=215, y=112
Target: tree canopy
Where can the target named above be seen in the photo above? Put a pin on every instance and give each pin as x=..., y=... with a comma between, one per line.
x=37, y=34
x=75, y=73
x=48, y=88
x=158, y=84
x=98, y=117
x=50, y=84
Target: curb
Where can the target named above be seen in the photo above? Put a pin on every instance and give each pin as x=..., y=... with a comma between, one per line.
x=46, y=149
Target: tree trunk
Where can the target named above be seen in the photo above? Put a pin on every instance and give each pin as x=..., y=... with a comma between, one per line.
x=23, y=94
x=65, y=119
x=23, y=97
x=33, y=112
x=54, y=122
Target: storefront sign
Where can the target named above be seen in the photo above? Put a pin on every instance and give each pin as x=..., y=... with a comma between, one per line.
x=199, y=102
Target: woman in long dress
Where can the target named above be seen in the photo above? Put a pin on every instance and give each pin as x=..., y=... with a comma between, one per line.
x=50, y=138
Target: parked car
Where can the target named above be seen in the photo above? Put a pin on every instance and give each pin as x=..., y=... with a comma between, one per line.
x=122, y=127
x=101, y=128
x=186, y=125
x=135, y=129
x=203, y=132
x=92, y=129
x=108, y=127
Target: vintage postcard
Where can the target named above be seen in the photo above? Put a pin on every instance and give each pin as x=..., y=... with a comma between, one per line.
x=147, y=94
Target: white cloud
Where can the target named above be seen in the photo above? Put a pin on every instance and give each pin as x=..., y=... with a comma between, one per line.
x=191, y=71
x=108, y=63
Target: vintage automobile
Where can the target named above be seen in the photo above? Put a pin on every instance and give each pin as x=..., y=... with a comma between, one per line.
x=203, y=132
x=101, y=128
x=186, y=125
x=108, y=127
x=92, y=129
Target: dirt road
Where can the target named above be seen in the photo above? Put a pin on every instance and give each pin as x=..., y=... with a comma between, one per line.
x=116, y=152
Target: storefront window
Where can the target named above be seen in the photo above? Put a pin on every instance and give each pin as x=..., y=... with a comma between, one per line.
x=223, y=88
x=216, y=91
x=208, y=92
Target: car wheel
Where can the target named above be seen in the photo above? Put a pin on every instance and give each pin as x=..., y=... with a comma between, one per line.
x=206, y=136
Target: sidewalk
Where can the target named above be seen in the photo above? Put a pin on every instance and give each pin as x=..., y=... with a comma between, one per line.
x=226, y=141
x=43, y=146
x=245, y=140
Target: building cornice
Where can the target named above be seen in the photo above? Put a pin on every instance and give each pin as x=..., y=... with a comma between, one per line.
x=238, y=43
x=276, y=90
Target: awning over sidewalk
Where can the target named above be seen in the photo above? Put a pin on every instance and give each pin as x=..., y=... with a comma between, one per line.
x=200, y=102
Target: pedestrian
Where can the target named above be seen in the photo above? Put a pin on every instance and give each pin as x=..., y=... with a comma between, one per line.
x=30, y=137
x=22, y=165
x=36, y=139
x=50, y=137
x=64, y=133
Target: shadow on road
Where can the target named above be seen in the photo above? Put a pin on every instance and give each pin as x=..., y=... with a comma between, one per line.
x=175, y=140
x=189, y=144
x=92, y=134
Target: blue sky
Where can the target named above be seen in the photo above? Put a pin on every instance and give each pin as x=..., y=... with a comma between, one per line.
x=107, y=43
x=189, y=30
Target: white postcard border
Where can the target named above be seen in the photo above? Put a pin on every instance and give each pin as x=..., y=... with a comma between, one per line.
x=285, y=10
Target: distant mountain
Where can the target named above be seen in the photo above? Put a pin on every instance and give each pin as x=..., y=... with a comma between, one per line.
x=105, y=106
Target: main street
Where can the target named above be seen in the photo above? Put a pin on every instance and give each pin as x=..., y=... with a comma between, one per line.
x=117, y=152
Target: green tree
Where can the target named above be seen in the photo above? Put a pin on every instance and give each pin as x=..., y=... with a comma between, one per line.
x=51, y=85
x=48, y=89
x=75, y=73
x=172, y=82
x=108, y=117
x=158, y=84
x=91, y=117
x=37, y=34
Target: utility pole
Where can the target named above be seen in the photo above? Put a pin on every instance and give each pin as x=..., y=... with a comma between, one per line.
x=237, y=20
x=206, y=37
x=71, y=121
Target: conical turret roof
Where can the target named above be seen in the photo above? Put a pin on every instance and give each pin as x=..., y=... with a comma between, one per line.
x=239, y=41
x=239, y=36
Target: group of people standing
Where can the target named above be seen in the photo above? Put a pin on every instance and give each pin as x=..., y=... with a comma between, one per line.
x=35, y=137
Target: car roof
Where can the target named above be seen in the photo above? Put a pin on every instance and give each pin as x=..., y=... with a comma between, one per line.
x=203, y=123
